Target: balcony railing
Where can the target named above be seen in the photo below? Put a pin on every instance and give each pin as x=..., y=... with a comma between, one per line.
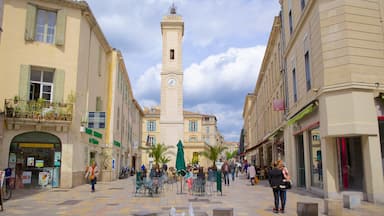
x=40, y=110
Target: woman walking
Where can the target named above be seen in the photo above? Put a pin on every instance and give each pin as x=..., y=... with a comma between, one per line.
x=92, y=174
x=275, y=178
x=286, y=184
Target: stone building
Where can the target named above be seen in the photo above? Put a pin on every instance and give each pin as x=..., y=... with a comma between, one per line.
x=61, y=95
x=332, y=70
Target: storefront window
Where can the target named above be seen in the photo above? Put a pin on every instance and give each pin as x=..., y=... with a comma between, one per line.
x=316, y=159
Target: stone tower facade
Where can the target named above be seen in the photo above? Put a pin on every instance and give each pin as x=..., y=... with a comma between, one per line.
x=171, y=99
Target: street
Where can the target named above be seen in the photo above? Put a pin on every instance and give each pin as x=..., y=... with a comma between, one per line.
x=118, y=198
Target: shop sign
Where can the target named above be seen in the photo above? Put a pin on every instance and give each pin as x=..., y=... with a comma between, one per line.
x=113, y=163
x=27, y=177
x=57, y=159
x=55, y=177
x=43, y=178
x=12, y=160
x=36, y=145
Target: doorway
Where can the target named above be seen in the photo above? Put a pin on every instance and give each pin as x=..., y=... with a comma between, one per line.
x=300, y=161
x=350, y=163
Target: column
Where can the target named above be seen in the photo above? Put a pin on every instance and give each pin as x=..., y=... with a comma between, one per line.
x=307, y=160
x=373, y=171
x=330, y=169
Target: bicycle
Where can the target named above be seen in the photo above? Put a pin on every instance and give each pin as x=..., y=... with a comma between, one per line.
x=6, y=190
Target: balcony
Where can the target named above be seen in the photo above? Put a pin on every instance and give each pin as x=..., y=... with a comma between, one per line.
x=40, y=113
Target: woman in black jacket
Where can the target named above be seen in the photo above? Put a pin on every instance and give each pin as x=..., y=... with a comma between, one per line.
x=275, y=178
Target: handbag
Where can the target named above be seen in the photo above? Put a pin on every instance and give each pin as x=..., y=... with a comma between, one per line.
x=285, y=184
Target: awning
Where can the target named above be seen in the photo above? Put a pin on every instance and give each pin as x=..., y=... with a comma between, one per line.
x=301, y=114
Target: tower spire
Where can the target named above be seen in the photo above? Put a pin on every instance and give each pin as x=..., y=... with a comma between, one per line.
x=172, y=10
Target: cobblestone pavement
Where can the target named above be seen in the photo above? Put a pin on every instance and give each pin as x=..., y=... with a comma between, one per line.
x=118, y=198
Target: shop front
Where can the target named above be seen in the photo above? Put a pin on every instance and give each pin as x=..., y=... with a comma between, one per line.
x=35, y=160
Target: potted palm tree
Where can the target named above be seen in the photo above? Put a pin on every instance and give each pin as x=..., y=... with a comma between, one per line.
x=158, y=152
x=213, y=153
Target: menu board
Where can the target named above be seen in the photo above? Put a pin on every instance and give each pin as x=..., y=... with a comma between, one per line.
x=39, y=163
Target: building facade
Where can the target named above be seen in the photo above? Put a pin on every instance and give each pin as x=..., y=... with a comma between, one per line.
x=199, y=131
x=264, y=108
x=61, y=82
x=333, y=85
x=171, y=97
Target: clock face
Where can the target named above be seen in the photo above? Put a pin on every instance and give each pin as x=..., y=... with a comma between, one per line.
x=171, y=82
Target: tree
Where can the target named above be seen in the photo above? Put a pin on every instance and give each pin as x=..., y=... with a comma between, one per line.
x=229, y=155
x=213, y=153
x=158, y=152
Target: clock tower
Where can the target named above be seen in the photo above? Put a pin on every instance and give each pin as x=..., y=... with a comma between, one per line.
x=171, y=98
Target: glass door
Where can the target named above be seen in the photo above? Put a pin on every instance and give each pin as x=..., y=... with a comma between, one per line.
x=350, y=162
x=300, y=161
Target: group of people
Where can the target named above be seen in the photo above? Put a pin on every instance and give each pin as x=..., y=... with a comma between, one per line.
x=279, y=180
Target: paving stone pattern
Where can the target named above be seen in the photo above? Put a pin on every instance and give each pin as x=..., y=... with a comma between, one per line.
x=118, y=198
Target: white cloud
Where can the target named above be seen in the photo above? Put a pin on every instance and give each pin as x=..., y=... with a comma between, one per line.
x=234, y=70
x=212, y=26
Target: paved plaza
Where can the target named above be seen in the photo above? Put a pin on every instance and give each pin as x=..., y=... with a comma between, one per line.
x=118, y=198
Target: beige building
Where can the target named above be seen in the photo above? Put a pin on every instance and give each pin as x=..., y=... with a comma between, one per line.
x=61, y=95
x=333, y=67
x=170, y=123
x=264, y=108
x=199, y=130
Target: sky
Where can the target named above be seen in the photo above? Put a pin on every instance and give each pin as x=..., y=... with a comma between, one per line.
x=223, y=47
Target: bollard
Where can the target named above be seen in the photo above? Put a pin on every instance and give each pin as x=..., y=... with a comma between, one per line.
x=223, y=212
x=333, y=207
x=307, y=209
x=145, y=214
x=351, y=201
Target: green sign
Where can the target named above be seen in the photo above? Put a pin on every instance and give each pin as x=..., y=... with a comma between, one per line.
x=97, y=134
x=93, y=141
x=116, y=143
x=88, y=131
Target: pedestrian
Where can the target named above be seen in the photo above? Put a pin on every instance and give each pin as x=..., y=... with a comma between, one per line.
x=275, y=177
x=233, y=169
x=252, y=173
x=225, y=169
x=285, y=185
x=92, y=174
x=189, y=179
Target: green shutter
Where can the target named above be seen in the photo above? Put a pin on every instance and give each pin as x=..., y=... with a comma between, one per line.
x=30, y=23
x=58, y=86
x=60, y=27
x=25, y=71
x=99, y=104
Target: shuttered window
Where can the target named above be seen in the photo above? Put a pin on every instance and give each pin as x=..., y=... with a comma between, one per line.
x=44, y=25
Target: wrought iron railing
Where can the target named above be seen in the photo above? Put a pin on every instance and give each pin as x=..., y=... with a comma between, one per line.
x=40, y=109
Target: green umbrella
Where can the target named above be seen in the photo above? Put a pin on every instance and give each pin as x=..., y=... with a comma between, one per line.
x=180, y=162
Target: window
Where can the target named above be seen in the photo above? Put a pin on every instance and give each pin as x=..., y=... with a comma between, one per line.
x=207, y=129
x=172, y=54
x=307, y=70
x=193, y=126
x=118, y=118
x=151, y=125
x=41, y=84
x=99, y=104
x=151, y=140
x=45, y=26
x=290, y=22
x=302, y=4
x=294, y=85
